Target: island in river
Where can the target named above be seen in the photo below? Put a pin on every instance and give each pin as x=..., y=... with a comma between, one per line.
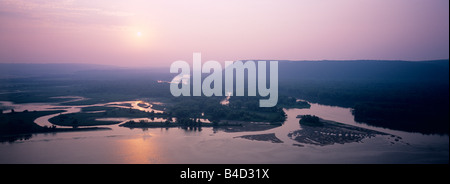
x=318, y=131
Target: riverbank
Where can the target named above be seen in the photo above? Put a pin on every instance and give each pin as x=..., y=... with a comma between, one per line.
x=167, y=124
x=23, y=122
x=25, y=136
x=224, y=125
x=20, y=125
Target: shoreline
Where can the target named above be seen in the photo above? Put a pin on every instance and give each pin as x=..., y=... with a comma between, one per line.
x=27, y=135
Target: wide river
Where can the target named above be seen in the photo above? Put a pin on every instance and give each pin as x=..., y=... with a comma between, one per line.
x=176, y=145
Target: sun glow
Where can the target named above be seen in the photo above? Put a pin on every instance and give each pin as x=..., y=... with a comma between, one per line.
x=138, y=42
x=137, y=38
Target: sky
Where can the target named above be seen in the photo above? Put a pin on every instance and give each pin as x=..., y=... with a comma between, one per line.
x=136, y=33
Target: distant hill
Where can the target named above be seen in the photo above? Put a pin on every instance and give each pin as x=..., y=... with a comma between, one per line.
x=401, y=95
x=13, y=70
x=77, y=71
x=334, y=70
x=357, y=70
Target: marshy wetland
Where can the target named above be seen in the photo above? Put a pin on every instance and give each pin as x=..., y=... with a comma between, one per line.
x=249, y=142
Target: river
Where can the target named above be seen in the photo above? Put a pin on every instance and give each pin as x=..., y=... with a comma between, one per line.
x=176, y=145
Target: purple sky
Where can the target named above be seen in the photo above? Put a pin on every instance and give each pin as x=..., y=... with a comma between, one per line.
x=106, y=31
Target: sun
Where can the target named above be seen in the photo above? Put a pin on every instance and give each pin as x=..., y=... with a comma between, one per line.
x=139, y=34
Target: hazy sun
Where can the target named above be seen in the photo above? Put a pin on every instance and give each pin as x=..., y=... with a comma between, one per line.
x=138, y=34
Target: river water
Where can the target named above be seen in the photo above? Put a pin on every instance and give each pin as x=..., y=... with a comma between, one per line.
x=208, y=145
